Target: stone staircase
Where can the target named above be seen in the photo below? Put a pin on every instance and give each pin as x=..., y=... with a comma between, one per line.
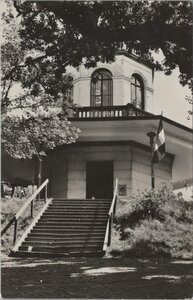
x=68, y=227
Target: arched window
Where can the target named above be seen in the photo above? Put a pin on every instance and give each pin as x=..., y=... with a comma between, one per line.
x=137, y=91
x=101, y=88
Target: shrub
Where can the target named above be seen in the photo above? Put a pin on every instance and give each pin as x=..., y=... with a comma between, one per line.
x=154, y=204
x=154, y=223
x=8, y=209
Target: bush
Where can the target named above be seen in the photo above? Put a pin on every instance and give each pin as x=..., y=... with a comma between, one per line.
x=154, y=223
x=10, y=206
x=154, y=205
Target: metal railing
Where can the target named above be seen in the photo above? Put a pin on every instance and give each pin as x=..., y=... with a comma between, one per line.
x=121, y=111
x=30, y=202
x=107, y=239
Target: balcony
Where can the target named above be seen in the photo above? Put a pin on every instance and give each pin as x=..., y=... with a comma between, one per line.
x=108, y=112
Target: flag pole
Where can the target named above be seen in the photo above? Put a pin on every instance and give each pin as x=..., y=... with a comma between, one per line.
x=151, y=136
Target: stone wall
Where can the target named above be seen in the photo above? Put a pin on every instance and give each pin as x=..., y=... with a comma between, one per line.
x=131, y=165
x=120, y=155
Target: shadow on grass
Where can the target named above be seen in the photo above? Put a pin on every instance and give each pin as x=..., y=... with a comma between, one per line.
x=110, y=278
x=144, y=249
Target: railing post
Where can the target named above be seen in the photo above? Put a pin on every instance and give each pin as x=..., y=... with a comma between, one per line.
x=46, y=193
x=114, y=208
x=32, y=209
x=110, y=225
x=15, y=232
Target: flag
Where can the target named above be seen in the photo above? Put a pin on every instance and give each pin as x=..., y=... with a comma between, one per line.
x=159, y=146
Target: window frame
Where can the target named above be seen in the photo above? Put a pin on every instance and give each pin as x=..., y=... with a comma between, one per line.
x=103, y=72
x=138, y=85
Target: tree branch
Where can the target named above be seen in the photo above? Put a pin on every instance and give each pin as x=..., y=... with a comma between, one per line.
x=7, y=91
x=28, y=62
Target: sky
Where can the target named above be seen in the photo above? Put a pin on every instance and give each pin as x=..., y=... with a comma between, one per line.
x=169, y=97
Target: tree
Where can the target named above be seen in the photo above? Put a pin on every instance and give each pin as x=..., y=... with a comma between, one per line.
x=72, y=32
x=31, y=123
x=23, y=69
x=12, y=55
x=34, y=126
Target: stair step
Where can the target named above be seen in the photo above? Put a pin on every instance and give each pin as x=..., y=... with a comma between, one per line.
x=72, y=231
x=97, y=253
x=75, y=213
x=64, y=239
x=65, y=219
x=82, y=203
x=81, y=200
x=78, y=211
x=65, y=235
x=92, y=201
x=66, y=214
x=80, y=206
x=72, y=243
x=44, y=248
x=72, y=221
x=68, y=226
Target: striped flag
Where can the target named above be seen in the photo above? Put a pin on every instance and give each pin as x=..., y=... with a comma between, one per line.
x=159, y=146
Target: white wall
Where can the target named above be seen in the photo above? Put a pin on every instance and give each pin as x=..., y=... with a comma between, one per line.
x=131, y=165
x=122, y=69
x=120, y=155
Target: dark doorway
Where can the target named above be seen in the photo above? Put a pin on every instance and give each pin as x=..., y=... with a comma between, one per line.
x=99, y=179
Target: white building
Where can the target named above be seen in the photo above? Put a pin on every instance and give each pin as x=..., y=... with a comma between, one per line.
x=116, y=105
x=116, y=113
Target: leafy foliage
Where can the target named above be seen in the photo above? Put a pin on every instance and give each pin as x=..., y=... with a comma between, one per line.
x=28, y=70
x=154, y=205
x=190, y=101
x=154, y=223
x=9, y=207
x=34, y=127
x=12, y=55
x=71, y=32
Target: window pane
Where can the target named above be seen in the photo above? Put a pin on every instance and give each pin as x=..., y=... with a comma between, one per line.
x=133, y=96
x=98, y=100
x=105, y=87
x=98, y=85
x=97, y=92
x=137, y=82
x=105, y=100
x=137, y=91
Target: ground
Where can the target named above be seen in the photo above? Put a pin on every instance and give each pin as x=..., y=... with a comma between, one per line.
x=110, y=278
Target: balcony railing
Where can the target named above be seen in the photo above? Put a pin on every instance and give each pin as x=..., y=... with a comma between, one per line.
x=121, y=111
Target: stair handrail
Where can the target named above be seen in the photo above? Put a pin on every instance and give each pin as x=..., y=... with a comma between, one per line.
x=22, y=209
x=111, y=213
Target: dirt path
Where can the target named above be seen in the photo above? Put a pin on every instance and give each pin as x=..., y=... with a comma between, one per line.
x=97, y=278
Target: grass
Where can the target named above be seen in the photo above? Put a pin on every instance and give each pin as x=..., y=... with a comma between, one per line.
x=10, y=206
x=152, y=224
